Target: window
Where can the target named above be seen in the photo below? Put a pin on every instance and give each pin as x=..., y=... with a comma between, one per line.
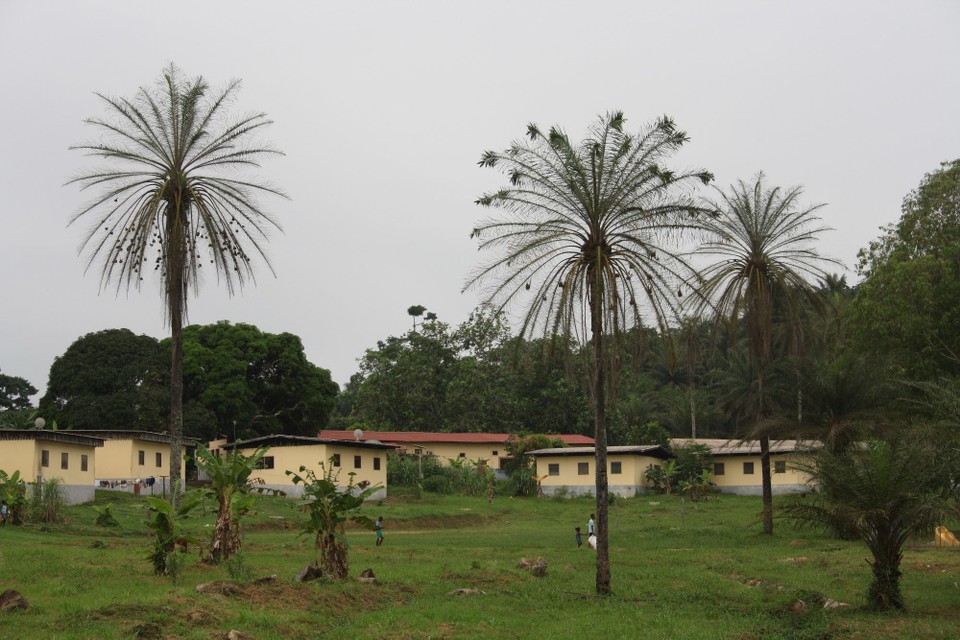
x=616, y=468
x=159, y=459
x=748, y=468
x=496, y=453
x=83, y=463
x=376, y=464
x=266, y=462
x=356, y=462
x=141, y=458
x=583, y=468
x=336, y=459
x=463, y=455
x=44, y=458
x=64, y=460
x=780, y=466
x=718, y=469
x=553, y=469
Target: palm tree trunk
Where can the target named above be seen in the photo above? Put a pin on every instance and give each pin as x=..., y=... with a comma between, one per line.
x=767, y=484
x=600, y=438
x=175, y=295
x=693, y=411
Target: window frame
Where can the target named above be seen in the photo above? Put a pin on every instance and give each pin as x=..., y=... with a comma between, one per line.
x=748, y=469
x=553, y=468
x=583, y=468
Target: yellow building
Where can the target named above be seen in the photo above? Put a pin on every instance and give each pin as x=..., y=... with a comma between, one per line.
x=44, y=455
x=573, y=469
x=128, y=456
x=735, y=465
x=366, y=460
x=489, y=447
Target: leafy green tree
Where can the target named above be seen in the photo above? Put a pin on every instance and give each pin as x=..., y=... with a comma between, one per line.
x=329, y=508
x=254, y=383
x=111, y=379
x=761, y=240
x=521, y=466
x=906, y=307
x=885, y=492
x=584, y=243
x=170, y=190
x=230, y=486
x=15, y=393
x=403, y=382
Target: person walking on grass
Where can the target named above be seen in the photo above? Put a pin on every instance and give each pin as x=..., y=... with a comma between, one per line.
x=579, y=538
x=591, y=527
x=4, y=511
x=379, y=526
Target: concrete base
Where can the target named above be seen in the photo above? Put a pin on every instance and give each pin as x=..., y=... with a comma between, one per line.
x=754, y=490
x=72, y=493
x=296, y=491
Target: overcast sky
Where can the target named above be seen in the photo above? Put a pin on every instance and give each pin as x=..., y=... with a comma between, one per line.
x=383, y=109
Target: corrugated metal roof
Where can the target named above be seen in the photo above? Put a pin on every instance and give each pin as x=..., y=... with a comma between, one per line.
x=652, y=450
x=722, y=447
x=130, y=434
x=51, y=436
x=280, y=440
x=413, y=437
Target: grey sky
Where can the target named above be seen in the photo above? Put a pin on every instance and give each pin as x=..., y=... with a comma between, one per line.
x=383, y=109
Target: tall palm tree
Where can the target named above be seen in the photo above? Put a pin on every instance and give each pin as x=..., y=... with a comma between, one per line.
x=173, y=189
x=762, y=240
x=586, y=244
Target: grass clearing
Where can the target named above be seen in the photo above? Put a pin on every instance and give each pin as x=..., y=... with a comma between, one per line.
x=688, y=570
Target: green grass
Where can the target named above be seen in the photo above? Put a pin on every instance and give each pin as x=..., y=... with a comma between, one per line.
x=699, y=571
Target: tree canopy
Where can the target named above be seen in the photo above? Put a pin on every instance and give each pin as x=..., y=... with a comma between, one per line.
x=239, y=381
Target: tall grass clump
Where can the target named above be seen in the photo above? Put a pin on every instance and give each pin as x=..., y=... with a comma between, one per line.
x=47, y=504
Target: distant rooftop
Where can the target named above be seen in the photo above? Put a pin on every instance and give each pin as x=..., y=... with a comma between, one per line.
x=422, y=437
x=725, y=447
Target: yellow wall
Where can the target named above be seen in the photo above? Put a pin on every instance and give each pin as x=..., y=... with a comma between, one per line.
x=734, y=478
x=445, y=451
x=26, y=457
x=22, y=456
x=120, y=460
x=310, y=455
x=630, y=479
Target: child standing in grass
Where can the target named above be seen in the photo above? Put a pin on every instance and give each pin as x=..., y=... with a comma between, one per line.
x=379, y=526
x=579, y=538
x=3, y=514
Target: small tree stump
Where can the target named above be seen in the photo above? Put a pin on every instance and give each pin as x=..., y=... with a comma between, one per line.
x=11, y=599
x=539, y=568
x=309, y=572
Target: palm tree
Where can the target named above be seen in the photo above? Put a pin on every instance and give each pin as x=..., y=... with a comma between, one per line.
x=884, y=493
x=762, y=240
x=585, y=244
x=171, y=191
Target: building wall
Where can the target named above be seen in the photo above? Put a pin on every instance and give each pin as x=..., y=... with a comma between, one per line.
x=281, y=459
x=120, y=460
x=22, y=456
x=628, y=483
x=26, y=456
x=734, y=480
x=445, y=451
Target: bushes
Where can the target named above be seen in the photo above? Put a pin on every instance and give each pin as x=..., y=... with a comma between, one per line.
x=461, y=477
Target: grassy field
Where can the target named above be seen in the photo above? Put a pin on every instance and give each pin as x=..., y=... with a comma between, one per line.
x=697, y=571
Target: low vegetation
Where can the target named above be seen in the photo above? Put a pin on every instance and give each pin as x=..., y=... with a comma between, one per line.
x=706, y=572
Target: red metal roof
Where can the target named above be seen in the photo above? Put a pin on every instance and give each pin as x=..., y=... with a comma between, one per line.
x=413, y=437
